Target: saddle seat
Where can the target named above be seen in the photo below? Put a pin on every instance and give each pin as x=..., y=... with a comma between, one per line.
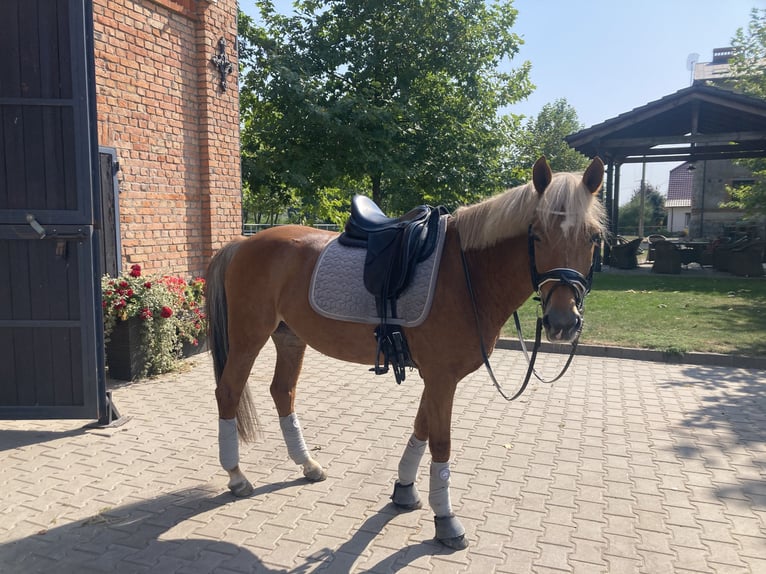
x=367, y=217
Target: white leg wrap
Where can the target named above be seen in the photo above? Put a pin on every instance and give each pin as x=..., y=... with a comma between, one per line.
x=408, y=465
x=293, y=435
x=228, y=443
x=438, y=495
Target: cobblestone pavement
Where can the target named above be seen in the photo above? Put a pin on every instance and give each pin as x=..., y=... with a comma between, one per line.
x=621, y=466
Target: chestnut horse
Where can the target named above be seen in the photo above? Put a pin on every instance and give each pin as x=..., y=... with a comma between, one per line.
x=259, y=288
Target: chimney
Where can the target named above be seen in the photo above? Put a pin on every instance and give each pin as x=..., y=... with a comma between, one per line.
x=722, y=55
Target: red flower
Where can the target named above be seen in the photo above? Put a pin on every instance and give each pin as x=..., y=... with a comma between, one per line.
x=166, y=312
x=148, y=284
x=135, y=270
x=124, y=285
x=146, y=313
x=129, y=292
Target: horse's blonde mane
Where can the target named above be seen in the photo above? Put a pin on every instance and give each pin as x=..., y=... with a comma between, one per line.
x=566, y=202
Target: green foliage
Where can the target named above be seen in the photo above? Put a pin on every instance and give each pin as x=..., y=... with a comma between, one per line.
x=544, y=135
x=748, y=63
x=654, y=209
x=398, y=100
x=748, y=66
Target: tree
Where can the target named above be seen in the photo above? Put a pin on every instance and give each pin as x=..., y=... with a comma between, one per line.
x=748, y=67
x=398, y=99
x=264, y=196
x=654, y=209
x=748, y=62
x=544, y=135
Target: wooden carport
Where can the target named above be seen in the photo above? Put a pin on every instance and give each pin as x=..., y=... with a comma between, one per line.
x=696, y=123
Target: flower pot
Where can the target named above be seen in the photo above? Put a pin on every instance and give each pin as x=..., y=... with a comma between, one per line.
x=189, y=350
x=125, y=356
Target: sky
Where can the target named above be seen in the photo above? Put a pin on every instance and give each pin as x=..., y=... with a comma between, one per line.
x=607, y=57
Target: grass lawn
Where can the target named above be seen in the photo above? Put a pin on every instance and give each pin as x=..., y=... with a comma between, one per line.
x=670, y=313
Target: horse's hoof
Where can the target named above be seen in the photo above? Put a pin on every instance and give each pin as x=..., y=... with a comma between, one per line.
x=450, y=532
x=242, y=489
x=406, y=496
x=314, y=472
x=456, y=543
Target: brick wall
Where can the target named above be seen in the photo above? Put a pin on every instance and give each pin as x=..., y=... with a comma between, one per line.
x=709, y=190
x=176, y=132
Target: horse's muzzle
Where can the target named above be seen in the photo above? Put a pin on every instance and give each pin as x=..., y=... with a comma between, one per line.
x=562, y=326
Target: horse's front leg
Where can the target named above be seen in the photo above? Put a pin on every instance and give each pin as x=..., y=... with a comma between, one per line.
x=290, y=351
x=438, y=411
x=406, y=494
x=433, y=421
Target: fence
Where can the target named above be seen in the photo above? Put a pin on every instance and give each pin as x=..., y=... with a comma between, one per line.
x=648, y=230
x=253, y=228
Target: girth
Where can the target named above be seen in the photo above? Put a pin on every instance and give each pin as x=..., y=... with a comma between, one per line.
x=394, y=248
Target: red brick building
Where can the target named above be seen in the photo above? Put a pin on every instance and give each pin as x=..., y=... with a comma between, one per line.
x=164, y=117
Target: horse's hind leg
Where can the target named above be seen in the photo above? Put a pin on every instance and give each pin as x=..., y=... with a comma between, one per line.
x=290, y=351
x=228, y=394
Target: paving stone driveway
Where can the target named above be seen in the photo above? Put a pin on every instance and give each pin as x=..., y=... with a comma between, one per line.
x=622, y=466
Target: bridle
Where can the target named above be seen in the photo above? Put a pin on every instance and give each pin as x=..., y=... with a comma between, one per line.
x=561, y=276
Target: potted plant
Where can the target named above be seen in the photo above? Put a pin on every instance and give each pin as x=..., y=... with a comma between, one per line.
x=190, y=313
x=147, y=320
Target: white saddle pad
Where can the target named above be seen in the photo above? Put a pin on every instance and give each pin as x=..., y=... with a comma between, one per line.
x=337, y=288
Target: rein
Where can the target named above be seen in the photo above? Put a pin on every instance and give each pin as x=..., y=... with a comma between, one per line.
x=562, y=276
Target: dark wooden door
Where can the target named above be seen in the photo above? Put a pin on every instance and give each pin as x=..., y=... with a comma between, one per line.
x=51, y=362
x=110, y=211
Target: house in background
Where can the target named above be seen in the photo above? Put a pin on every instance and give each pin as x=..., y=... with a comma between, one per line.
x=717, y=71
x=696, y=192
x=678, y=202
x=710, y=182
x=710, y=178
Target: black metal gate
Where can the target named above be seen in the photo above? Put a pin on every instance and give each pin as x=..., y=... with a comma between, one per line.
x=51, y=358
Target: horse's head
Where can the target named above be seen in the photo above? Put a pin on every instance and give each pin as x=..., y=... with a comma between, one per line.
x=562, y=238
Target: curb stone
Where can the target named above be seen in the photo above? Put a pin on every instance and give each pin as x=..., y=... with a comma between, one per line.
x=706, y=359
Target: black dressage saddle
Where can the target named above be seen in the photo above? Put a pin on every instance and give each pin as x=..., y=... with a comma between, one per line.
x=394, y=247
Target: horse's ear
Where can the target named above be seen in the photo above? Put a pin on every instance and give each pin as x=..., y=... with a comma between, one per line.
x=541, y=174
x=594, y=175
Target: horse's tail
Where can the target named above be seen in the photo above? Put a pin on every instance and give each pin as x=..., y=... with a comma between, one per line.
x=218, y=334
